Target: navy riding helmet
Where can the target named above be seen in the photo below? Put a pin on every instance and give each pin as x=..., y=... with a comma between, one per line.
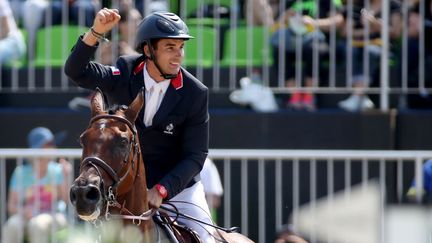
x=160, y=25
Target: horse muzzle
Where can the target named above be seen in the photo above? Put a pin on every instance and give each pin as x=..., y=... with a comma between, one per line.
x=87, y=200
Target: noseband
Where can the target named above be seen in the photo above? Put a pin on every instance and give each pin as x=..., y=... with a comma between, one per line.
x=97, y=162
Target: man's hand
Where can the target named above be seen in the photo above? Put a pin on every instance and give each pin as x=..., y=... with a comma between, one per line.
x=105, y=20
x=154, y=198
x=367, y=18
x=308, y=20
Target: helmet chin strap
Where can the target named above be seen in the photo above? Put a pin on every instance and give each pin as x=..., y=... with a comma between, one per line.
x=153, y=58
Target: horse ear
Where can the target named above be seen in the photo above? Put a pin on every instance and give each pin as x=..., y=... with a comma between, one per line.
x=97, y=103
x=135, y=107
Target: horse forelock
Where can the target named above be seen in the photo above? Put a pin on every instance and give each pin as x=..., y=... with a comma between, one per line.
x=117, y=110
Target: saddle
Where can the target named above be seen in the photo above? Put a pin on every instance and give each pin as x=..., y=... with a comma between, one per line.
x=177, y=232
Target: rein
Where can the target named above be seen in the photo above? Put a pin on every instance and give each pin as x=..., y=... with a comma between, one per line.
x=176, y=212
x=136, y=219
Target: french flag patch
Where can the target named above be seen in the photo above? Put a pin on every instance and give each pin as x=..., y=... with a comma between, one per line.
x=115, y=71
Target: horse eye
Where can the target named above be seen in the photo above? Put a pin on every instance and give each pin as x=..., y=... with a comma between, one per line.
x=124, y=141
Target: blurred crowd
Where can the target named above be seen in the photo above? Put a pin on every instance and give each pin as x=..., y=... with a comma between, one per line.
x=305, y=37
x=352, y=31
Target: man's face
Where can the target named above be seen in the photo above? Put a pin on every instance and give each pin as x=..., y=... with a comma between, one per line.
x=169, y=55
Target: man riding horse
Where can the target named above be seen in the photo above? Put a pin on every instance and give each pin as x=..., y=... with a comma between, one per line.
x=173, y=124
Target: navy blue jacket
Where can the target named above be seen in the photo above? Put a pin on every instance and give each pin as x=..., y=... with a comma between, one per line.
x=174, y=148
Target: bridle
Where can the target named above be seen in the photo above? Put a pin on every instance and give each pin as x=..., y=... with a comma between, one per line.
x=97, y=163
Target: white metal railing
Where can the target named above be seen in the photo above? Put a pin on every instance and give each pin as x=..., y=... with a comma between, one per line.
x=30, y=78
x=252, y=178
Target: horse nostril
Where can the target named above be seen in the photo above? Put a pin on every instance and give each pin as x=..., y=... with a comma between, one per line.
x=93, y=194
x=72, y=197
x=84, y=194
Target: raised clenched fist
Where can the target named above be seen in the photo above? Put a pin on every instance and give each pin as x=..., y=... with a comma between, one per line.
x=105, y=20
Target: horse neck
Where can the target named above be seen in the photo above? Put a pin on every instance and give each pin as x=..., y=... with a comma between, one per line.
x=141, y=182
x=136, y=199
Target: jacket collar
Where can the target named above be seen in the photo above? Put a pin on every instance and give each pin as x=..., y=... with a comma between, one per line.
x=177, y=82
x=171, y=97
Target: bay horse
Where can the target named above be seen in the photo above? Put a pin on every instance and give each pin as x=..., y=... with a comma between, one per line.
x=112, y=180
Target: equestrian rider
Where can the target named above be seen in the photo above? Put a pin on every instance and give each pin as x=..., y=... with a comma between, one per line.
x=173, y=125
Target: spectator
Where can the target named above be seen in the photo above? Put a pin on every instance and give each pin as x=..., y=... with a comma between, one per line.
x=424, y=100
x=426, y=190
x=259, y=12
x=145, y=6
x=12, y=44
x=16, y=6
x=38, y=13
x=363, y=20
x=80, y=12
x=34, y=186
x=303, y=20
x=212, y=186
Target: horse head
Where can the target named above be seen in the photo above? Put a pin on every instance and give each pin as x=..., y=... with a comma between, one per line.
x=112, y=177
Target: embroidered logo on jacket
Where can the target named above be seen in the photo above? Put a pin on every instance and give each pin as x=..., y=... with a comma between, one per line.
x=169, y=129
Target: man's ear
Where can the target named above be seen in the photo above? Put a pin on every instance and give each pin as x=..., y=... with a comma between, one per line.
x=146, y=51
